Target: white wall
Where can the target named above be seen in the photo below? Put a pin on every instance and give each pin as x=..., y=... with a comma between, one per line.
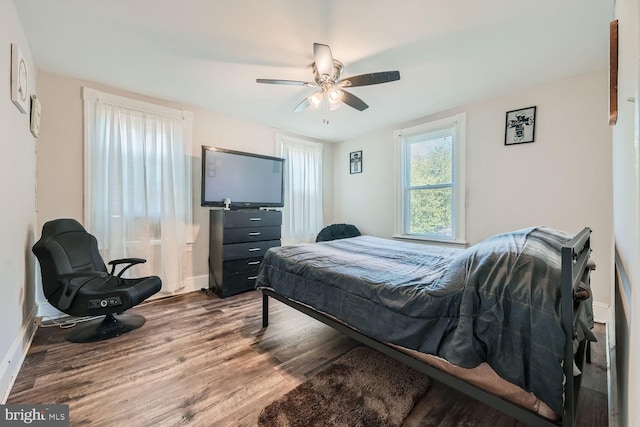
x=626, y=207
x=562, y=180
x=18, y=225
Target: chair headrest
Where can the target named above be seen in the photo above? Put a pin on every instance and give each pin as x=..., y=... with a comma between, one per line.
x=60, y=226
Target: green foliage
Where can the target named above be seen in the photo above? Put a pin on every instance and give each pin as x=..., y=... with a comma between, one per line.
x=431, y=165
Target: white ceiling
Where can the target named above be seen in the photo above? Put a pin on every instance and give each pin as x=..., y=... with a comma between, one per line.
x=208, y=53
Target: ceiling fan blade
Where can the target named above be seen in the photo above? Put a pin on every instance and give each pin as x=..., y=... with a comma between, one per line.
x=313, y=100
x=370, y=79
x=286, y=82
x=323, y=59
x=353, y=101
x=303, y=105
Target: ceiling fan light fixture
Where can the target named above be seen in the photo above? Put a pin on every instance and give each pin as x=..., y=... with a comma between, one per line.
x=316, y=99
x=335, y=96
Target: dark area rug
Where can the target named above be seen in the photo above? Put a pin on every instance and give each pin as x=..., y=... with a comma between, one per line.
x=362, y=388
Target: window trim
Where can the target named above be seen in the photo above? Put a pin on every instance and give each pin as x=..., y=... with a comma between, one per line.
x=458, y=122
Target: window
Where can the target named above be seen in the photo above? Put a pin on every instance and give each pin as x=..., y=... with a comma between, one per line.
x=431, y=180
x=302, y=213
x=138, y=197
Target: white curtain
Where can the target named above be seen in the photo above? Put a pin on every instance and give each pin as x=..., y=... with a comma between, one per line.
x=138, y=187
x=302, y=213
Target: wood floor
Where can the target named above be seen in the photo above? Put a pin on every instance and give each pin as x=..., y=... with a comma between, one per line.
x=204, y=361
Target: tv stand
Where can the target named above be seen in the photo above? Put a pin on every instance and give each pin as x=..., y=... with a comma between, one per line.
x=238, y=240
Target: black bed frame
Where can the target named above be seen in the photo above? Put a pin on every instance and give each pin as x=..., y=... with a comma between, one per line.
x=575, y=268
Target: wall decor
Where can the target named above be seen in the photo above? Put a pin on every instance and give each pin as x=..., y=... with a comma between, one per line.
x=19, y=79
x=520, y=126
x=35, y=116
x=355, y=162
x=613, y=72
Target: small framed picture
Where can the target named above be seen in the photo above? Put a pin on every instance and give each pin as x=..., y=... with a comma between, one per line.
x=355, y=162
x=520, y=126
x=35, y=115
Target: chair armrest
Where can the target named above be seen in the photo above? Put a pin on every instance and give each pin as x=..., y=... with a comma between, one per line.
x=127, y=261
x=130, y=261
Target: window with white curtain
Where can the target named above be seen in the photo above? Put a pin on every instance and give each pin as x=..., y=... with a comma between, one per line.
x=138, y=199
x=302, y=212
x=431, y=187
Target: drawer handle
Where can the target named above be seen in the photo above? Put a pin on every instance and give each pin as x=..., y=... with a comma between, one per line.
x=253, y=263
x=255, y=233
x=254, y=249
x=252, y=277
x=255, y=219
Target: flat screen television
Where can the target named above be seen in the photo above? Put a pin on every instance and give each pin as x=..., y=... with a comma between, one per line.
x=248, y=180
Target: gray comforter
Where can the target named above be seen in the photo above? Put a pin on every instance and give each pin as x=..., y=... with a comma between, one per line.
x=496, y=302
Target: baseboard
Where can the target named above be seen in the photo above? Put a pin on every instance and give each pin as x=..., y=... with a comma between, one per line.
x=47, y=310
x=612, y=376
x=191, y=284
x=16, y=354
x=195, y=283
x=601, y=312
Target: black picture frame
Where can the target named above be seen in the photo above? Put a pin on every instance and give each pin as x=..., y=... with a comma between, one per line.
x=520, y=126
x=355, y=162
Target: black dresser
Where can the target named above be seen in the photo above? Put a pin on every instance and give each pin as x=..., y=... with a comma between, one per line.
x=237, y=243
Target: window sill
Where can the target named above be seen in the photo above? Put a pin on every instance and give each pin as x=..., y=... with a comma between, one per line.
x=421, y=239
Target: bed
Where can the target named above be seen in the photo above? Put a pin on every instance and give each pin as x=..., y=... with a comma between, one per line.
x=506, y=321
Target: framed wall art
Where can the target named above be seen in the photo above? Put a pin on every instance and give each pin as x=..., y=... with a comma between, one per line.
x=35, y=116
x=19, y=79
x=613, y=72
x=355, y=162
x=520, y=126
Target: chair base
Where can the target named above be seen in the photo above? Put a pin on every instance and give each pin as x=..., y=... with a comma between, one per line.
x=108, y=327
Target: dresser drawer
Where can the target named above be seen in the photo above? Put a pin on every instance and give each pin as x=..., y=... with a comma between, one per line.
x=240, y=278
x=242, y=265
x=236, y=283
x=233, y=219
x=247, y=250
x=251, y=234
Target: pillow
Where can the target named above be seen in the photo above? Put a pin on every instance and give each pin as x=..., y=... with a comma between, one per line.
x=337, y=231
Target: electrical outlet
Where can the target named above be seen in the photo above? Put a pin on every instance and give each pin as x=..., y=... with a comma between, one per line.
x=38, y=321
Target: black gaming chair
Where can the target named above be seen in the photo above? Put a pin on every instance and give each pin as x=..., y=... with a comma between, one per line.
x=76, y=282
x=337, y=231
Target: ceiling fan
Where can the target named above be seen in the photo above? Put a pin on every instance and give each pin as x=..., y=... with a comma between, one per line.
x=326, y=77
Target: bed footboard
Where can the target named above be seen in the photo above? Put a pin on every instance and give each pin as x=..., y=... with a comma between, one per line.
x=575, y=269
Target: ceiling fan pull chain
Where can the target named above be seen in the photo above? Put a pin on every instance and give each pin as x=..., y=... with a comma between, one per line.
x=325, y=119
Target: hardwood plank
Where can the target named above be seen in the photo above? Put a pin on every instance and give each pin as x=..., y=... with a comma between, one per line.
x=445, y=407
x=201, y=360
x=595, y=373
